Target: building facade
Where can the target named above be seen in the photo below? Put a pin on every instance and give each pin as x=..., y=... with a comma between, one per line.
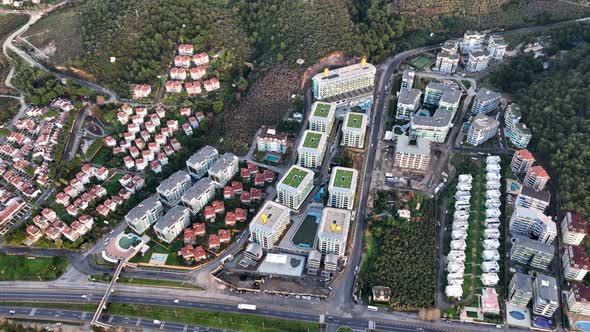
x=145, y=214
x=486, y=101
x=520, y=290
x=433, y=128
x=408, y=102
x=575, y=263
x=312, y=149
x=545, y=296
x=522, y=160
x=536, y=178
x=478, y=61
x=224, y=169
x=412, y=155
x=199, y=163
x=342, y=188
x=199, y=195
x=171, y=189
x=321, y=117
x=578, y=299
x=447, y=62
x=512, y=116
x=472, y=41
x=269, y=140
x=497, y=47
x=339, y=81
x=573, y=229
x=482, y=129
x=531, y=198
x=169, y=226
x=533, y=223
x=408, y=79
x=294, y=187
x=354, y=129
x=520, y=135
x=269, y=224
x=530, y=252
x=333, y=231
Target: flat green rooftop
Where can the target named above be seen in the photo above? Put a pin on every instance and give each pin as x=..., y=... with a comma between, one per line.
x=295, y=176
x=321, y=110
x=355, y=120
x=312, y=140
x=343, y=178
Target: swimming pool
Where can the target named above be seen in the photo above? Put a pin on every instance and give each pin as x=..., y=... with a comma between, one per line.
x=127, y=240
x=272, y=158
x=518, y=315
x=583, y=325
x=304, y=237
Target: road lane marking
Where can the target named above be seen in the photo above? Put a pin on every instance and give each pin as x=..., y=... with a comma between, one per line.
x=33, y=311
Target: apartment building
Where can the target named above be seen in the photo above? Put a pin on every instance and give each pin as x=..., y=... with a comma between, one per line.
x=533, y=223
x=408, y=79
x=578, y=299
x=171, y=189
x=531, y=252
x=482, y=128
x=322, y=116
x=545, y=296
x=294, y=187
x=312, y=149
x=536, y=178
x=169, y=226
x=145, y=214
x=333, y=231
x=512, y=116
x=269, y=140
x=434, y=128
x=224, y=169
x=520, y=290
x=573, y=229
x=450, y=99
x=522, y=160
x=354, y=129
x=268, y=225
x=447, y=62
x=478, y=61
x=199, y=195
x=434, y=92
x=472, y=41
x=520, y=135
x=199, y=163
x=342, y=188
x=412, y=154
x=531, y=198
x=497, y=47
x=486, y=101
x=575, y=263
x=332, y=83
x=408, y=102
x=451, y=45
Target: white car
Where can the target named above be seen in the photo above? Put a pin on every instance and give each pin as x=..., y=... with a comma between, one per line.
x=176, y=301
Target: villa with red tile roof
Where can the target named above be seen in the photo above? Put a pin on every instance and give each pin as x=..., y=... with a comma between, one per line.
x=193, y=88
x=197, y=72
x=141, y=91
x=185, y=49
x=213, y=242
x=201, y=58
x=178, y=73
x=211, y=84
x=173, y=86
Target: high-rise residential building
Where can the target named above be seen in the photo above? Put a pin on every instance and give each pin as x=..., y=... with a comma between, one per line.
x=171, y=189
x=520, y=135
x=269, y=140
x=450, y=99
x=573, y=229
x=339, y=81
x=434, y=128
x=531, y=252
x=312, y=149
x=575, y=263
x=497, y=47
x=294, y=187
x=478, y=61
x=408, y=79
x=169, y=226
x=354, y=129
x=533, y=223
x=512, y=116
x=333, y=231
x=482, y=128
x=407, y=103
x=472, y=41
x=531, y=198
x=522, y=160
x=412, y=154
x=485, y=101
x=447, y=62
x=224, y=169
x=451, y=45
x=321, y=117
x=199, y=195
x=342, y=188
x=434, y=92
x=520, y=290
x=578, y=299
x=545, y=296
x=536, y=178
x=199, y=163
x=145, y=214
x=269, y=224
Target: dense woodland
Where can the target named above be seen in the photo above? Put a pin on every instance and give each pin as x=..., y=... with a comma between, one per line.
x=556, y=105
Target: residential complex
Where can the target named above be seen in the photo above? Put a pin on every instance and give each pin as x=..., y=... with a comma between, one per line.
x=482, y=128
x=412, y=154
x=575, y=263
x=169, y=226
x=578, y=299
x=472, y=41
x=354, y=128
x=333, y=231
x=322, y=117
x=144, y=214
x=339, y=81
x=294, y=187
x=520, y=135
x=434, y=128
x=171, y=189
x=533, y=223
x=531, y=252
x=512, y=116
x=522, y=160
x=434, y=92
x=408, y=79
x=342, y=188
x=486, y=101
x=312, y=149
x=269, y=224
x=199, y=195
x=450, y=99
x=573, y=229
x=497, y=47
x=408, y=102
x=536, y=178
x=478, y=60
x=520, y=290
x=545, y=295
x=199, y=163
x=269, y=140
x=447, y=62
x=224, y=168
x=531, y=198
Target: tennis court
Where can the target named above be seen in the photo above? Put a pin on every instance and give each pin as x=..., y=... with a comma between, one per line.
x=420, y=61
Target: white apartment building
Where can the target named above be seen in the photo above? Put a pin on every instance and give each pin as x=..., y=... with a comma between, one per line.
x=520, y=135
x=145, y=214
x=333, y=231
x=545, y=296
x=486, y=101
x=451, y=45
x=529, y=197
x=321, y=117
x=342, y=188
x=336, y=82
x=434, y=92
x=578, y=299
x=573, y=229
x=512, y=116
x=294, y=187
x=199, y=195
x=171, y=189
x=412, y=155
x=271, y=141
x=169, y=226
x=354, y=129
x=434, y=128
x=482, y=129
x=450, y=99
x=408, y=79
x=522, y=160
x=472, y=41
x=312, y=149
x=269, y=224
x=408, y=102
x=224, y=169
x=532, y=222
x=199, y=163
x=536, y=178
x=447, y=62
x=497, y=47
x=575, y=263
x=478, y=61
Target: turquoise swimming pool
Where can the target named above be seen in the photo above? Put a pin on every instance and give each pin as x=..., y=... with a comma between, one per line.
x=583, y=325
x=272, y=158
